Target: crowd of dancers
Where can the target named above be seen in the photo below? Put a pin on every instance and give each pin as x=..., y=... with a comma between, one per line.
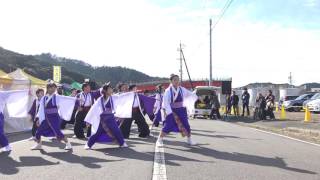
x=105, y=116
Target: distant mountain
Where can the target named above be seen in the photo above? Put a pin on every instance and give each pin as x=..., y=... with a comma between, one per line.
x=72, y=70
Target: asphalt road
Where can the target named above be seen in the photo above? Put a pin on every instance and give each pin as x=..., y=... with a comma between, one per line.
x=229, y=151
x=225, y=151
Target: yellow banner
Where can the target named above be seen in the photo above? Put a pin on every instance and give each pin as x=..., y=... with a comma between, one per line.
x=57, y=73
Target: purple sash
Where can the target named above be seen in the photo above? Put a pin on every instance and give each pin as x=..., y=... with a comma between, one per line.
x=51, y=111
x=177, y=105
x=176, y=118
x=107, y=111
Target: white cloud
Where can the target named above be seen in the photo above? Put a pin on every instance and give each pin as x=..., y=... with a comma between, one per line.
x=267, y=53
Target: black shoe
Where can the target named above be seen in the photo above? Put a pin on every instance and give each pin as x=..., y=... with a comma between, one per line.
x=144, y=136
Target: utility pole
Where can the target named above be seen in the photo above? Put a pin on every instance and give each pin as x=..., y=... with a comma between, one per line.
x=180, y=51
x=290, y=79
x=182, y=60
x=210, y=79
x=185, y=63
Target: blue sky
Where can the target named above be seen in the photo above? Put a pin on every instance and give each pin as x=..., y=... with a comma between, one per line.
x=283, y=35
x=290, y=13
x=293, y=13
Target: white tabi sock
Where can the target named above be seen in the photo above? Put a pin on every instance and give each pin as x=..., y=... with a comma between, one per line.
x=38, y=146
x=159, y=141
x=68, y=146
x=124, y=145
x=190, y=142
x=86, y=147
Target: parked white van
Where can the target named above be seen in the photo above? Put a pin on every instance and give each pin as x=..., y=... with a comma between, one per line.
x=203, y=106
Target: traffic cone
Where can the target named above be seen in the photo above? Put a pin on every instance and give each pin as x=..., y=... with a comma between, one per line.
x=283, y=113
x=307, y=116
x=277, y=107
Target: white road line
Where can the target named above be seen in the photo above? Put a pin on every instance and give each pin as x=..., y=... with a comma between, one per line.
x=159, y=163
x=286, y=137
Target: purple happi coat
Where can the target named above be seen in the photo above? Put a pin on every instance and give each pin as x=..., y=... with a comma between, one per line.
x=108, y=130
x=50, y=127
x=34, y=109
x=158, y=110
x=3, y=139
x=147, y=104
x=175, y=107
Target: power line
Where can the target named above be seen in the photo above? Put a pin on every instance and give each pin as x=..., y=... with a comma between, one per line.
x=223, y=11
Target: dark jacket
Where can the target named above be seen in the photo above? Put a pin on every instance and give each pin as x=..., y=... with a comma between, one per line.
x=270, y=98
x=270, y=101
x=261, y=102
x=234, y=100
x=245, y=98
x=34, y=109
x=215, y=104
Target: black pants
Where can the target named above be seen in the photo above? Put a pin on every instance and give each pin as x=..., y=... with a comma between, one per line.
x=235, y=109
x=228, y=109
x=73, y=117
x=63, y=124
x=262, y=113
x=79, y=125
x=216, y=112
x=72, y=120
x=270, y=113
x=259, y=113
x=143, y=127
x=244, y=107
x=34, y=129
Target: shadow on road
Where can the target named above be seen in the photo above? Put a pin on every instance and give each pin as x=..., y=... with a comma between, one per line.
x=86, y=161
x=221, y=136
x=9, y=166
x=14, y=137
x=146, y=141
x=239, y=157
x=60, y=145
x=249, y=120
x=129, y=153
x=216, y=136
x=205, y=131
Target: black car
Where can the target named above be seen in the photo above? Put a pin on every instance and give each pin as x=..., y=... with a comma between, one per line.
x=297, y=104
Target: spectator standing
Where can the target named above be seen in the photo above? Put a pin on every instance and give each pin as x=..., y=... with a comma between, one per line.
x=235, y=103
x=245, y=102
